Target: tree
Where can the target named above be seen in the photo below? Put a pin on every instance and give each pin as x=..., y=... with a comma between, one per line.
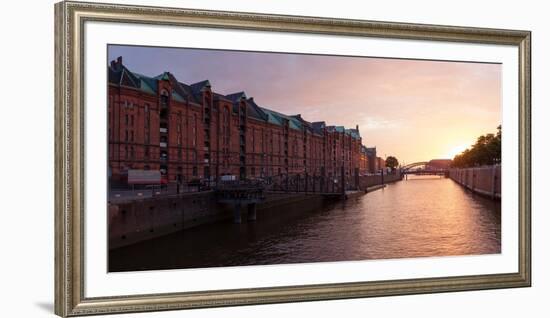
x=486, y=151
x=392, y=162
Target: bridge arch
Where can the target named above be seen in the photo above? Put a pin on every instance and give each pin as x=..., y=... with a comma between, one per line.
x=413, y=165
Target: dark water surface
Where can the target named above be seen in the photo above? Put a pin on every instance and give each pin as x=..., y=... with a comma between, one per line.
x=419, y=217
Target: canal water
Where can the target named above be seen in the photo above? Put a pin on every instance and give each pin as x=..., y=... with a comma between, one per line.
x=419, y=217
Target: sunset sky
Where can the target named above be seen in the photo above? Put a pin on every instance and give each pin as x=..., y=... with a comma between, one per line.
x=414, y=110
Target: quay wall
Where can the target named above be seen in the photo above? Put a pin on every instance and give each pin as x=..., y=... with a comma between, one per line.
x=366, y=182
x=139, y=220
x=484, y=180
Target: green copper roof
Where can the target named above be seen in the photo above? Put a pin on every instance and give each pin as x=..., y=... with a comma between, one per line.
x=273, y=117
x=164, y=77
x=353, y=133
x=294, y=123
x=278, y=119
x=177, y=97
x=147, y=84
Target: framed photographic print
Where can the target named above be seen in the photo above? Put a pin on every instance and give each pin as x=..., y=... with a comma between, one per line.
x=208, y=158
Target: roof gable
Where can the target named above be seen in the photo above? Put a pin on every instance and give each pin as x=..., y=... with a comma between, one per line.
x=255, y=111
x=199, y=86
x=236, y=97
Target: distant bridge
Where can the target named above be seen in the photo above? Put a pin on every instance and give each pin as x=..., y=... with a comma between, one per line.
x=414, y=169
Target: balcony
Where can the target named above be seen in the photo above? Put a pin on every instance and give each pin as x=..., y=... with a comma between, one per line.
x=163, y=130
x=163, y=145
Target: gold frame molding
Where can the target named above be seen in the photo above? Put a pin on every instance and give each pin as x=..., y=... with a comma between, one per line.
x=69, y=157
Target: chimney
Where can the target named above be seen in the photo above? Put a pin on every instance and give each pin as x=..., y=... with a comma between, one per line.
x=117, y=62
x=357, y=128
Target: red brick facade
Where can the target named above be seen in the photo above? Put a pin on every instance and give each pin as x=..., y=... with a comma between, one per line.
x=190, y=132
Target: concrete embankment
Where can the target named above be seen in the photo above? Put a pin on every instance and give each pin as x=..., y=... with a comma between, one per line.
x=138, y=220
x=484, y=180
x=371, y=183
x=374, y=188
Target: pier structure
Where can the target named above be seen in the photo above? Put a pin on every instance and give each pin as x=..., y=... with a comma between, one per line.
x=239, y=194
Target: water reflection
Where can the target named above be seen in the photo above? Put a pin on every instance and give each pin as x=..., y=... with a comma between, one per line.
x=422, y=216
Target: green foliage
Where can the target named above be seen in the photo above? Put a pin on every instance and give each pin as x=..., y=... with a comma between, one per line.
x=486, y=151
x=392, y=162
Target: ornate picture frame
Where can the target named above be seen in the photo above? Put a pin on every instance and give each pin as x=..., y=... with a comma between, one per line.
x=70, y=20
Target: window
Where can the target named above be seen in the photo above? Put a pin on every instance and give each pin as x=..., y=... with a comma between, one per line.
x=195, y=171
x=132, y=136
x=126, y=119
x=164, y=100
x=126, y=136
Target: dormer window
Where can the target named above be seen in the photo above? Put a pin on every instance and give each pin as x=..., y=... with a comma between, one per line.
x=164, y=99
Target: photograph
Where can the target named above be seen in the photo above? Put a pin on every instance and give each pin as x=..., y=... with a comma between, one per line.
x=220, y=158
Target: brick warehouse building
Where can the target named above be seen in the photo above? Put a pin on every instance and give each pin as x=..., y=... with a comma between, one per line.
x=190, y=132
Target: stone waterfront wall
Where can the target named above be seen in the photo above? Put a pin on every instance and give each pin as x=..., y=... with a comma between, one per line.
x=369, y=181
x=484, y=180
x=139, y=220
x=143, y=219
